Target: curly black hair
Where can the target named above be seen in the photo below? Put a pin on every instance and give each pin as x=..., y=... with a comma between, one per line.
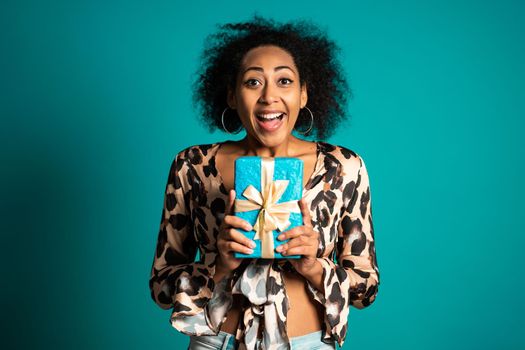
x=313, y=53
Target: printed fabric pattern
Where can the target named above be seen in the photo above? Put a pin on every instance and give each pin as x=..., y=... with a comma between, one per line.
x=339, y=198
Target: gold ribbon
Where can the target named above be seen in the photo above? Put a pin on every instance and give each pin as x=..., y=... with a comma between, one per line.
x=272, y=215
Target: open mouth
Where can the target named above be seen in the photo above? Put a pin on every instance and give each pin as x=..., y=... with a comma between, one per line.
x=269, y=117
x=270, y=122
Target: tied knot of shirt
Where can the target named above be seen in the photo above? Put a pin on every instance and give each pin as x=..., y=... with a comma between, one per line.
x=262, y=284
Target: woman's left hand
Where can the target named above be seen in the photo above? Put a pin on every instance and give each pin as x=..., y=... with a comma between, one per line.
x=304, y=241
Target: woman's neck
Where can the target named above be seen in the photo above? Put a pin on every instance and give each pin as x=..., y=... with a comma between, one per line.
x=253, y=147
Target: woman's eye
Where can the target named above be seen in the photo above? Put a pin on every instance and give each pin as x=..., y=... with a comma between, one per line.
x=251, y=82
x=286, y=81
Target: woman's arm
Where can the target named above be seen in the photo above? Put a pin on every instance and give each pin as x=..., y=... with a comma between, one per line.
x=177, y=281
x=173, y=271
x=354, y=278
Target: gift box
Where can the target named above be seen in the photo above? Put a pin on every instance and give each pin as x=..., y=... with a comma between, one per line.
x=267, y=195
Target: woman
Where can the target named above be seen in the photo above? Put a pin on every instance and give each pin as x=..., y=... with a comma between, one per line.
x=267, y=79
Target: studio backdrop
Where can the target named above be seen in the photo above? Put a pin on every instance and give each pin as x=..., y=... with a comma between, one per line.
x=95, y=103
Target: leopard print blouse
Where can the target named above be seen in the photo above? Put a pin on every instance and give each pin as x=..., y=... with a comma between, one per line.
x=338, y=194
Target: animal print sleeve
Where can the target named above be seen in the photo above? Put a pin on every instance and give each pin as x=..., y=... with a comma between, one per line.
x=176, y=280
x=354, y=278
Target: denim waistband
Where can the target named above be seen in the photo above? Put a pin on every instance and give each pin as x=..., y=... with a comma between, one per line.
x=226, y=341
x=310, y=341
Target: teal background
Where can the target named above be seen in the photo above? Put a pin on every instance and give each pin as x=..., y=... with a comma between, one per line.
x=95, y=103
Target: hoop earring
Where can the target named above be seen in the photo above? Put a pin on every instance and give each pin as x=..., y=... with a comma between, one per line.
x=224, y=126
x=311, y=123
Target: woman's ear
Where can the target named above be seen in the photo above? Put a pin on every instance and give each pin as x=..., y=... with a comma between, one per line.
x=231, y=100
x=304, y=95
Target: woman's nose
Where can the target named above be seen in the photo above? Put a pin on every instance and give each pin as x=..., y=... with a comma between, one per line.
x=269, y=94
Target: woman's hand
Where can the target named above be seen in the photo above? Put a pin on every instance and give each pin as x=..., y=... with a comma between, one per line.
x=304, y=240
x=230, y=240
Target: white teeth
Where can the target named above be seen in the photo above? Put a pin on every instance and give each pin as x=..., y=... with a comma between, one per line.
x=269, y=116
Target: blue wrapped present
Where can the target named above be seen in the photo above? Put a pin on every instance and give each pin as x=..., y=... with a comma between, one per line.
x=267, y=195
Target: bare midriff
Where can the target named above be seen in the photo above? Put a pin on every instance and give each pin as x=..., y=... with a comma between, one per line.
x=304, y=316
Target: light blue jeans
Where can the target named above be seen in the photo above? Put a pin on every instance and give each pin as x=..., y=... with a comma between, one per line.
x=226, y=341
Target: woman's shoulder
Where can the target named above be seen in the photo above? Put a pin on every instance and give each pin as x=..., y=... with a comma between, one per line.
x=346, y=157
x=196, y=154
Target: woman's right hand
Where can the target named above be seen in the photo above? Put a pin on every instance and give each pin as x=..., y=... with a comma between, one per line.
x=230, y=240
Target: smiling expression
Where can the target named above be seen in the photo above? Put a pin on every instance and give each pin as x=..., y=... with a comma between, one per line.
x=268, y=94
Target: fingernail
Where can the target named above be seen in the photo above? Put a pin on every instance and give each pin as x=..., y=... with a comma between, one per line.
x=249, y=251
x=252, y=244
x=248, y=228
x=280, y=237
x=279, y=248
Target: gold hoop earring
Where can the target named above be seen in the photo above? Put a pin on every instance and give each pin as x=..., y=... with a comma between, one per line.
x=224, y=126
x=311, y=123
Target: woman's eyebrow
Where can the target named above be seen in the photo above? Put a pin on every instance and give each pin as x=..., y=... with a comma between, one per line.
x=260, y=69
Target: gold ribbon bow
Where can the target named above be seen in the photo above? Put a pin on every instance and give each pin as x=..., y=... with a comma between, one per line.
x=272, y=215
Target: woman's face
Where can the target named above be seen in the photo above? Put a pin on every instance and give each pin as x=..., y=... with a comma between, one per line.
x=268, y=94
